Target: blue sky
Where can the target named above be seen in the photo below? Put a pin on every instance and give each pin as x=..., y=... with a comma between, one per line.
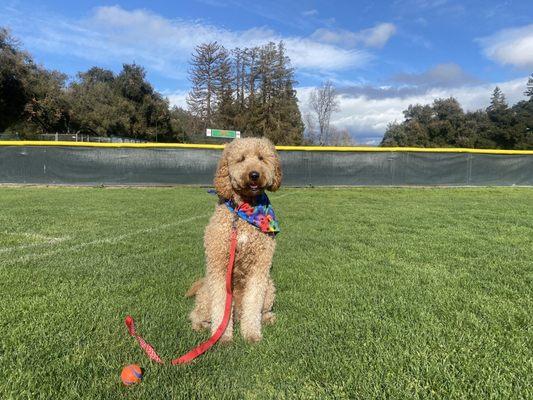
x=381, y=55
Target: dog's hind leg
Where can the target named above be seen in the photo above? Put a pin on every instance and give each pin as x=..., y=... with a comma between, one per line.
x=195, y=287
x=268, y=316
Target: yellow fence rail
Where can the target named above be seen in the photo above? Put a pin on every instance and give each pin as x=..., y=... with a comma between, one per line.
x=152, y=145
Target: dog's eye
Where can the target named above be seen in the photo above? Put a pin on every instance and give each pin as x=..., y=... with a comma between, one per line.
x=241, y=159
x=260, y=158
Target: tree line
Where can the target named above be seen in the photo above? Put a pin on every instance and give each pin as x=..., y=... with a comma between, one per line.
x=249, y=89
x=445, y=124
x=97, y=102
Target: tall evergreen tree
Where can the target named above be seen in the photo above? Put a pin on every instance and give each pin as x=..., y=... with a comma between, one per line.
x=250, y=117
x=224, y=92
x=240, y=77
x=263, y=111
x=497, y=100
x=272, y=107
x=504, y=131
x=290, y=127
x=203, y=74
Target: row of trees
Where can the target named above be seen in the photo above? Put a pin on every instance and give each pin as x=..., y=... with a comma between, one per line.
x=98, y=102
x=250, y=89
x=445, y=124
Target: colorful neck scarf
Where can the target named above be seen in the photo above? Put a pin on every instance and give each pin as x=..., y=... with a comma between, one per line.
x=261, y=215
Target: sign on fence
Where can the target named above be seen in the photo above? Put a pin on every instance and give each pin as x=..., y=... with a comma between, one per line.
x=222, y=133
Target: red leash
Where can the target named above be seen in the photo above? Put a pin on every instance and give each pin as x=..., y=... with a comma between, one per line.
x=203, y=347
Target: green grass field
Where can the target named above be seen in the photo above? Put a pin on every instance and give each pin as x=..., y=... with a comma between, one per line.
x=382, y=293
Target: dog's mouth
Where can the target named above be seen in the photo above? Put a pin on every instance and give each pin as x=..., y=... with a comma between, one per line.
x=254, y=187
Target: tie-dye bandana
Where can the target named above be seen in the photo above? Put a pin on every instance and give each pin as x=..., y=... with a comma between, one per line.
x=261, y=215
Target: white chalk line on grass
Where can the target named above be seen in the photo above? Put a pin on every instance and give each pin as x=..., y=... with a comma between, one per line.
x=46, y=241
x=107, y=240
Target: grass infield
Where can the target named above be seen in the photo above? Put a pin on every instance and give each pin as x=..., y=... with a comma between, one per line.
x=382, y=293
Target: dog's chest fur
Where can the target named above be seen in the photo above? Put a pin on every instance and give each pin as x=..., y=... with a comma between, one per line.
x=252, y=244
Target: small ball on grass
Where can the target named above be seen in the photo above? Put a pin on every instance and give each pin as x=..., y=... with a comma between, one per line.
x=131, y=374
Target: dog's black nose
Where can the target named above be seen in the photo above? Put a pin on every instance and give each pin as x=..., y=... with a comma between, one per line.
x=254, y=175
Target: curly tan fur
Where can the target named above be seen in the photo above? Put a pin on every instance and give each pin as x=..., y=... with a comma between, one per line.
x=253, y=287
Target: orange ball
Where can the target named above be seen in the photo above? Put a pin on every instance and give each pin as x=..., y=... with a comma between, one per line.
x=131, y=374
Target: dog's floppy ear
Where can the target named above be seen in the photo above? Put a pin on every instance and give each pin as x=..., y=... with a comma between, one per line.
x=222, y=180
x=276, y=181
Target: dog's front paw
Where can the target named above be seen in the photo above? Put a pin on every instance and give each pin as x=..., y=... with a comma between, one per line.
x=252, y=337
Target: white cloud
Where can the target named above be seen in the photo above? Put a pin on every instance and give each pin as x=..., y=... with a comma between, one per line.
x=309, y=54
x=310, y=13
x=113, y=34
x=367, y=117
x=376, y=36
x=512, y=46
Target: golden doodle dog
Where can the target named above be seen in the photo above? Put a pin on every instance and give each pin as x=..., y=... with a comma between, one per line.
x=246, y=169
